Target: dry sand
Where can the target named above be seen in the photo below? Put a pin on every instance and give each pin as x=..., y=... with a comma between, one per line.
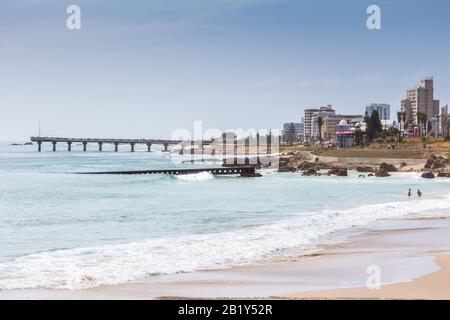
x=434, y=286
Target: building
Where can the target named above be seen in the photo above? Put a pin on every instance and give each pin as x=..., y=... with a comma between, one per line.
x=293, y=128
x=383, y=109
x=311, y=126
x=445, y=122
x=344, y=135
x=330, y=122
x=307, y=124
x=420, y=99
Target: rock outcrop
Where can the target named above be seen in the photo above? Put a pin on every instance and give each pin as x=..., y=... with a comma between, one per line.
x=387, y=167
x=310, y=172
x=428, y=175
x=364, y=169
x=338, y=171
x=435, y=162
x=381, y=173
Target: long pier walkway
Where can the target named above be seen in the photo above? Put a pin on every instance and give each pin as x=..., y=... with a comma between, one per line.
x=101, y=141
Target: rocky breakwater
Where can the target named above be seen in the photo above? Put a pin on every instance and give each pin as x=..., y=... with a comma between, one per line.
x=436, y=165
x=293, y=162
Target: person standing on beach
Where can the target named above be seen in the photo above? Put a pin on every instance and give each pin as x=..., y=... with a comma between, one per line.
x=409, y=192
x=419, y=193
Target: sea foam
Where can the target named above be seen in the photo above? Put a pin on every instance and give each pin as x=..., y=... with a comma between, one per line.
x=113, y=264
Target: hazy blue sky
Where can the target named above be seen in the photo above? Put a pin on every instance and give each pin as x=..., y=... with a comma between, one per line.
x=144, y=68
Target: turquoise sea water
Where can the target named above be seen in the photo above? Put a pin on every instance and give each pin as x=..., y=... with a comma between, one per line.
x=63, y=230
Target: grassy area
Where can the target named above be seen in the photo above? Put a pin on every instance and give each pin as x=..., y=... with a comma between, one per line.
x=411, y=148
x=375, y=153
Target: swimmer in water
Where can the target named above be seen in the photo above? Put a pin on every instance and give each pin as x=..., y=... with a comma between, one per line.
x=409, y=192
x=419, y=193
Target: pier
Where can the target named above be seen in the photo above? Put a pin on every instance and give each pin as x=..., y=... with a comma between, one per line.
x=243, y=171
x=102, y=141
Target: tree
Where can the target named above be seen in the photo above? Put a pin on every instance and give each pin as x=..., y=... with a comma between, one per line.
x=320, y=124
x=366, y=118
x=359, y=137
x=422, y=121
x=374, y=127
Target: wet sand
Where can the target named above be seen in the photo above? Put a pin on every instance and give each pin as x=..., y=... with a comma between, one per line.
x=413, y=252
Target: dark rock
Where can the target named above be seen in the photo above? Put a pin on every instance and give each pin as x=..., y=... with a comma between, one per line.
x=435, y=162
x=382, y=173
x=338, y=171
x=287, y=168
x=387, y=167
x=364, y=169
x=370, y=175
x=310, y=172
x=443, y=174
x=427, y=175
x=305, y=165
x=403, y=164
x=439, y=163
x=430, y=161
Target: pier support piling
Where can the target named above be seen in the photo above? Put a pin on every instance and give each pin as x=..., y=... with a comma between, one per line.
x=100, y=146
x=54, y=146
x=165, y=147
x=132, y=147
x=39, y=146
x=69, y=146
x=116, y=147
x=84, y=146
x=149, y=147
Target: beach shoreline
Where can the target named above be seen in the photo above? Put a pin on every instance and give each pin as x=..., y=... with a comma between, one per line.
x=413, y=256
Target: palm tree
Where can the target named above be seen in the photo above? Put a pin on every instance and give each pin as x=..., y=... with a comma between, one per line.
x=422, y=120
x=320, y=124
x=404, y=119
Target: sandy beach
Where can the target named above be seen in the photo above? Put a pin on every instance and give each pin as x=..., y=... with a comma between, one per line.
x=413, y=257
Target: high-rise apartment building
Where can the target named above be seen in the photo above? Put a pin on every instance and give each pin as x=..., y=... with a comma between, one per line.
x=420, y=99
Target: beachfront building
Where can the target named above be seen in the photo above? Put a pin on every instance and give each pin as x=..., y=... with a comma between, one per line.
x=311, y=126
x=307, y=124
x=420, y=99
x=383, y=109
x=292, y=132
x=330, y=123
x=344, y=135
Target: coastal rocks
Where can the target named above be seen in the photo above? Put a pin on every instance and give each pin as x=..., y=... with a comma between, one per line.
x=443, y=174
x=338, y=171
x=435, y=162
x=364, y=169
x=310, y=172
x=427, y=175
x=287, y=168
x=381, y=173
x=403, y=164
x=387, y=167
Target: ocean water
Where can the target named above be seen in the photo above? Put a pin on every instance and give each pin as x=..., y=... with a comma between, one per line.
x=68, y=231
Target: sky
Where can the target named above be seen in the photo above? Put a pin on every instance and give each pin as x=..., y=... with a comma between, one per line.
x=144, y=69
